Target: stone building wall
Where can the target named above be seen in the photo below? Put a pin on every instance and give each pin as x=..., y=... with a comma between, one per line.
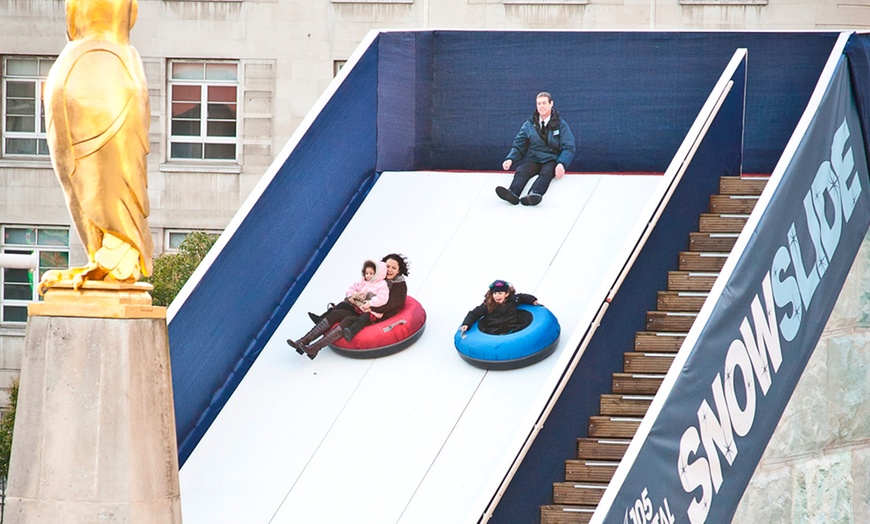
x=817, y=465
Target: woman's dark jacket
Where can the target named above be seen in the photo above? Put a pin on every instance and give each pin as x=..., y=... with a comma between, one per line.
x=503, y=319
x=398, y=293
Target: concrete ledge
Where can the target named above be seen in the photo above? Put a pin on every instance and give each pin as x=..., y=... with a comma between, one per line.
x=95, y=426
x=97, y=299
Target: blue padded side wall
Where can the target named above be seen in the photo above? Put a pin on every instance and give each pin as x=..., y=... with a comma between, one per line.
x=227, y=319
x=629, y=97
x=397, y=101
x=718, y=155
x=425, y=81
x=404, y=101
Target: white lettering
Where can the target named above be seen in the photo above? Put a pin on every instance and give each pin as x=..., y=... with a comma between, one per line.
x=764, y=319
x=643, y=511
x=665, y=512
x=807, y=281
x=843, y=163
x=716, y=433
x=695, y=475
x=826, y=201
x=756, y=356
x=741, y=419
x=786, y=292
x=637, y=515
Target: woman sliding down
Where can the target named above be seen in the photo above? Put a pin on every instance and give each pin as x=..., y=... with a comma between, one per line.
x=379, y=295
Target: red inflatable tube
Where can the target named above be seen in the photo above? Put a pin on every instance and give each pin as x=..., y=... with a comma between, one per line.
x=387, y=336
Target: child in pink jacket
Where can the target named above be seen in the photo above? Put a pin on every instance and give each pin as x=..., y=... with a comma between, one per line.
x=370, y=291
x=372, y=288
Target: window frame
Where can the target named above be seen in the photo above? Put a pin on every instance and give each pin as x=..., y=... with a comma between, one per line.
x=203, y=139
x=372, y=1
x=724, y=3
x=34, y=275
x=44, y=63
x=545, y=2
x=167, y=235
x=337, y=66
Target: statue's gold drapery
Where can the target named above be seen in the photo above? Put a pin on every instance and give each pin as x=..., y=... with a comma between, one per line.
x=97, y=115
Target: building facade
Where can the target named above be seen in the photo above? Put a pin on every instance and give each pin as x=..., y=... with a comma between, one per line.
x=229, y=81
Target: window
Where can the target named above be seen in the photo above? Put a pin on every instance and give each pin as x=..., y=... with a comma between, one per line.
x=203, y=104
x=372, y=1
x=18, y=286
x=544, y=2
x=23, y=110
x=174, y=237
x=724, y=2
x=337, y=65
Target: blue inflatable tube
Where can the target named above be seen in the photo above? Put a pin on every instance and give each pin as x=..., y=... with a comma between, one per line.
x=514, y=350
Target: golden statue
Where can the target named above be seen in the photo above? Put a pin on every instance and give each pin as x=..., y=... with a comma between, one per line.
x=96, y=107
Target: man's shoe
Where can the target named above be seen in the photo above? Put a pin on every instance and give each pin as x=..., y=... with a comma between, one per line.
x=532, y=199
x=506, y=195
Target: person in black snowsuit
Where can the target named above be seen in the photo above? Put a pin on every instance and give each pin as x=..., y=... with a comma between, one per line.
x=498, y=314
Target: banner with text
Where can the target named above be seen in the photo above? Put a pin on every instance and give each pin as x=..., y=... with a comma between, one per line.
x=704, y=445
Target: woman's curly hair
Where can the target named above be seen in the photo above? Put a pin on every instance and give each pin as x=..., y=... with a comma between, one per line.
x=404, y=265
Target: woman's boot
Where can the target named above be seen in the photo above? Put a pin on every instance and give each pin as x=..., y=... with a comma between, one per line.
x=331, y=336
x=315, y=332
x=351, y=329
x=317, y=318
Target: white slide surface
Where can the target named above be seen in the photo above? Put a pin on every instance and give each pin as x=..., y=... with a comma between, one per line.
x=419, y=436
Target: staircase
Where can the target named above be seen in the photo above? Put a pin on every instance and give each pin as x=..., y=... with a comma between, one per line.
x=644, y=368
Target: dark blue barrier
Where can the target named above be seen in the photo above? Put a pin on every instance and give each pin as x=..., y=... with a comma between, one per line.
x=629, y=97
x=225, y=322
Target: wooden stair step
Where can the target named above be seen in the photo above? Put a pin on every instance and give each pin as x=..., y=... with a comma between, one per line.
x=742, y=185
x=712, y=242
x=602, y=449
x=710, y=223
x=740, y=204
x=599, y=454
x=647, y=362
x=691, y=280
x=673, y=321
x=681, y=300
x=613, y=427
x=589, y=470
x=636, y=383
x=560, y=514
x=693, y=261
x=626, y=405
x=572, y=493
x=648, y=341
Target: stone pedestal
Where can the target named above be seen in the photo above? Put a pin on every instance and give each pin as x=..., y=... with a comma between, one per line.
x=95, y=427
